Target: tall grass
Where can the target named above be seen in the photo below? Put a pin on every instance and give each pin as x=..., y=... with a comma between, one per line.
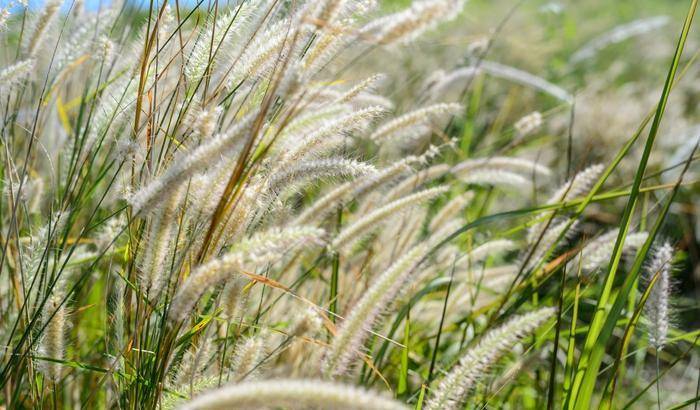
x=222, y=206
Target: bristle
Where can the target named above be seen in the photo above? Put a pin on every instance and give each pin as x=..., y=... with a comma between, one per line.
x=318, y=170
x=450, y=209
x=40, y=26
x=547, y=242
x=495, y=177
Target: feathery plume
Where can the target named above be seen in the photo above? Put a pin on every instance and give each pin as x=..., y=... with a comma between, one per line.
x=418, y=179
x=597, y=253
x=312, y=170
x=618, y=35
x=40, y=25
x=548, y=241
x=361, y=87
x=386, y=175
x=457, y=384
x=349, y=190
x=80, y=42
x=190, y=163
x=331, y=39
x=371, y=221
x=304, y=144
x=406, y=124
x=501, y=163
x=207, y=48
x=440, y=83
x=233, y=299
x=354, y=330
x=497, y=276
x=528, y=124
x=52, y=343
x=310, y=323
x=15, y=73
x=43, y=239
x=247, y=356
x=407, y=25
x=489, y=248
x=578, y=185
x=292, y=394
x=262, y=248
x=203, y=121
x=175, y=396
x=657, y=309
x=363, y=100
x=158, y=245
x=493, y=176
x=324, y=205
x=525, y=78
x=267, y=48
x=112, y=112
x=450, y=209
x=193, y=362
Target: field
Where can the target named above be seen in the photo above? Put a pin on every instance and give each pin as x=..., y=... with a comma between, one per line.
x=349, y=204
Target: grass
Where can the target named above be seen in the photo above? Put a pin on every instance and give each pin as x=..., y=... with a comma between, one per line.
x=221, y=205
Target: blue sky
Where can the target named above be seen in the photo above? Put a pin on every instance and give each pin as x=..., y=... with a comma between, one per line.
x=33, y=4
x=89, y=4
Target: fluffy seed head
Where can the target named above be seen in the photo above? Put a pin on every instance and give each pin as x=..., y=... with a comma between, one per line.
x=407, y=25
x=292, y=394
x=263, y=248
x=578, y=185
x=528, y=124
x=407, y=123
x=657, y=309
x=352, y=232
x=354, y=329
x=457, y=384
x=15, y=73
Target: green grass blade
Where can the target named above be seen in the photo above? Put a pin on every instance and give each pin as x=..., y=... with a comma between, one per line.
x=587, y=370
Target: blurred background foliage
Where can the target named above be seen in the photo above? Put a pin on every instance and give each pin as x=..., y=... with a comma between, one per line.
x=614, y=89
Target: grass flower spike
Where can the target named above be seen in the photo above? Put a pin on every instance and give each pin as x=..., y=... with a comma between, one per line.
x=292, y=394
x=457, y=384
x=657, y=309
x=279, y=204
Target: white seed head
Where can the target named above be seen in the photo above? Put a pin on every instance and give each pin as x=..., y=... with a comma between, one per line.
x=292, y=394
x=354, y=330
x=657, y=309
x=265, y=247
x=458, y=383
x=529, y=124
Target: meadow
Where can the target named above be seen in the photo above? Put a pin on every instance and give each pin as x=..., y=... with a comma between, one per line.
x=349, y=204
